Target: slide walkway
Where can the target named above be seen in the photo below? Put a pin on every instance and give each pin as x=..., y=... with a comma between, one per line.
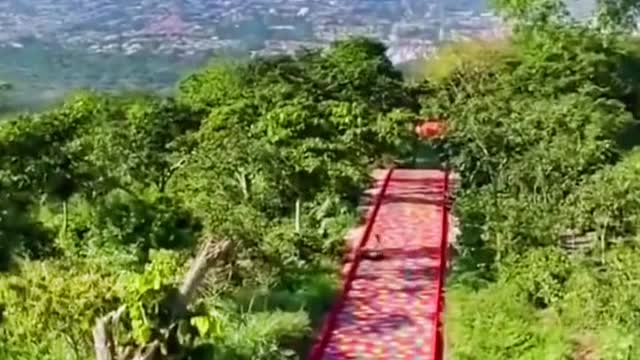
x=392, y=299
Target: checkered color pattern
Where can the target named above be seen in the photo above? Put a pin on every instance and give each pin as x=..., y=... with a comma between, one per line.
x=389, y=312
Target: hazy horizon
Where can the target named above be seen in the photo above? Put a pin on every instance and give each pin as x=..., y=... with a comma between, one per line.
x=49, y=47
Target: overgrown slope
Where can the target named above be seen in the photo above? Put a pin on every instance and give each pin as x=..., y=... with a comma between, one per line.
x=105, y=198
x=542, y=132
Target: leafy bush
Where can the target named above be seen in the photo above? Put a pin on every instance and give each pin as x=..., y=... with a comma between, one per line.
x=540, y=275
x=146, y=224
x=49, y=308
x=608, y=200
x=497, y=322
x=472, y=56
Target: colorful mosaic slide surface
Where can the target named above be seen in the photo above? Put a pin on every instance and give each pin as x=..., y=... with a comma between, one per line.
x=389, y=312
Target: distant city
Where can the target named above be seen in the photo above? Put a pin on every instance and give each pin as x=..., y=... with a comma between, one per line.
x=184, y=29
x=188, y=27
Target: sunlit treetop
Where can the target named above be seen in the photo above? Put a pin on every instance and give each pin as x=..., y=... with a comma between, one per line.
x=609, y=15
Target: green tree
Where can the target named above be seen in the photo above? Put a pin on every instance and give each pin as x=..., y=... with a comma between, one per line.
x=137, y=142
x=617, y=15
x=610, y=15
x=537, y=13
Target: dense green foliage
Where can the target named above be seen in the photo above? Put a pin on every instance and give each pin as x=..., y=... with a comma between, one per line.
x=542, y=131
x=106, y=197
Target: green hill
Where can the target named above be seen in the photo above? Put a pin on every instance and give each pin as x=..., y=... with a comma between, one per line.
x=107, y=198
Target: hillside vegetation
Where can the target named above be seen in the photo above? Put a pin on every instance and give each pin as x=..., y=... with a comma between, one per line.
x=544, y=132
x=111, y=204
x=106, y=198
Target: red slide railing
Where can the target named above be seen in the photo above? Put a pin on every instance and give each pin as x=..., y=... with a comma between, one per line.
x=438, y=336
x=330, y=322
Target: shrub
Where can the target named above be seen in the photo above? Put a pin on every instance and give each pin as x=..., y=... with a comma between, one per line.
x=49, y=308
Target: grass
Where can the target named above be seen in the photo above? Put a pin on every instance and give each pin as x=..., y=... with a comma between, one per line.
x=309, y=298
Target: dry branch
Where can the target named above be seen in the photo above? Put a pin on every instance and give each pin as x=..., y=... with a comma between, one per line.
x=105, y=344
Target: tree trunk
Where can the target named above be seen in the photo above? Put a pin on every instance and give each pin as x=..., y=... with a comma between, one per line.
x=105, y=344
x=102, y=340
x=297, y=215
x=65, y=221
x=210, y=253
